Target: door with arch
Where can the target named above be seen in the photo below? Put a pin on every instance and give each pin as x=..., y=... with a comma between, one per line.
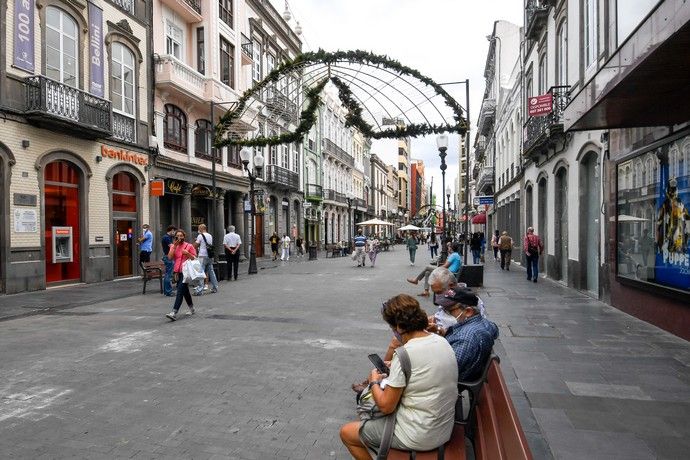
x=589, y=221
x=561, y=225
x=61, y=224
x=542, y=216
x=125, y=207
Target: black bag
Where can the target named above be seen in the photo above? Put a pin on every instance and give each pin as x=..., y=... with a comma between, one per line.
x=210, y=250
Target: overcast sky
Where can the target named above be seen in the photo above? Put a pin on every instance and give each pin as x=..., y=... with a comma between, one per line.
x=443, y=39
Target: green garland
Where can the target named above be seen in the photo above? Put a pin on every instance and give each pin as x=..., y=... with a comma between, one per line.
x=353, y=118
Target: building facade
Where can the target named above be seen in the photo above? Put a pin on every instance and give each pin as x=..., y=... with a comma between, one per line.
x=313, y=184
x=417, y=186
x=633, y=81
x=404, y=152
x=74, y=142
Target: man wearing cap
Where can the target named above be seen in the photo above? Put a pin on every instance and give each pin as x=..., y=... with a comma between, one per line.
x=145, y=242
x=472, y=337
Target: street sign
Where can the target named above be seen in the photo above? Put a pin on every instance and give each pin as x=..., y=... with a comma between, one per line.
x=540, y=105
x=157, y=187
x=483, y=200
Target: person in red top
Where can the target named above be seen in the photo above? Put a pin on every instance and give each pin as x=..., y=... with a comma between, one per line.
x=180, y=252
x=533, y=248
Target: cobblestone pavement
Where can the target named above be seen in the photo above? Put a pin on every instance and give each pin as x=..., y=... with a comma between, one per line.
x=263, y=369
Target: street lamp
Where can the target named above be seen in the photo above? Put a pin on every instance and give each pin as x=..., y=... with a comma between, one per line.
x=448, y=202
x=349, y=197
x=245, y=156
x=442, y=144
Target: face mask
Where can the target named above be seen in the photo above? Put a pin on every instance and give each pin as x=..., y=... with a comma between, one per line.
x=444, y=319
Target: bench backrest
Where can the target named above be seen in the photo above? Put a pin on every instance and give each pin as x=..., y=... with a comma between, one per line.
x=153, y=269
x=499, y=433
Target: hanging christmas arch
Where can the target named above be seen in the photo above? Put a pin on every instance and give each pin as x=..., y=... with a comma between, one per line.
x=381, y=98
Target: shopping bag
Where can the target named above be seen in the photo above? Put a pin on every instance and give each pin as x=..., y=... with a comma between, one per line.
x=354, y=255
x=193, y=272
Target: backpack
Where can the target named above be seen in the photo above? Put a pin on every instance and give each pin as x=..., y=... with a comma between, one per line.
x=210, y=250
x=532, y=247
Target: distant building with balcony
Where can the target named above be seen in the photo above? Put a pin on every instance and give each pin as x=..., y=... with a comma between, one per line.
x=417, y=187
x=74, y=141
x=561, y=187
x=206, y=55
x=379, y=191
x=313, y=184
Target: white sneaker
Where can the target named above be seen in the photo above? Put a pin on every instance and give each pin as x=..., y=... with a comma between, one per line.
x=191, y=310
x=172, y=316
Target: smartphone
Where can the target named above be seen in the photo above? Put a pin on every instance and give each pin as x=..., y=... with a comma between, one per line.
x=379, y=364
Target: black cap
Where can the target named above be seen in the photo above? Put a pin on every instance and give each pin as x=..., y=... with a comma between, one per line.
x=463, y=296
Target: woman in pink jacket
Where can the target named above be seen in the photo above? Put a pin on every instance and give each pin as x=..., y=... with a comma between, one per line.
x=180, y=252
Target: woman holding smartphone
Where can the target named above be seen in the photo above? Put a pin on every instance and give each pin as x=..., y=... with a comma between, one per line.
x=180, y=252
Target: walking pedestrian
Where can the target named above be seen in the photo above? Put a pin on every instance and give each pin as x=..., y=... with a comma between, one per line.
x=533, y=247
x=180, y=252
x=275, y=241
x=476, y=247
x=494, y=244
x=505, y=245
x=433, y=246
x=166, y=242
x=299, y=242
x=411, y=244
x=285, y=255
x=205, y=249
x=361, y=248
x=145, y=242
x=231, y=244
x=373, y=250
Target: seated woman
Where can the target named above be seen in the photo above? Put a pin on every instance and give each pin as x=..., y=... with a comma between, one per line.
x=426, y=404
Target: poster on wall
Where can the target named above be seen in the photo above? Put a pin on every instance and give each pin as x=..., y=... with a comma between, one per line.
x=96, y=86
x=25, y=221
x=24, y=35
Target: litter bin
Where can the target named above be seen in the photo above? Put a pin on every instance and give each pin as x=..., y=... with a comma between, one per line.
x=220, y=267
x=312, y=251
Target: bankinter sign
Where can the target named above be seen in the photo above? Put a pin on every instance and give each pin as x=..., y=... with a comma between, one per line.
x=124, y=155
x=540, y=105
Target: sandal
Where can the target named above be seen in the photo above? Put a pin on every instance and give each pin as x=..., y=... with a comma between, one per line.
x=424, y=294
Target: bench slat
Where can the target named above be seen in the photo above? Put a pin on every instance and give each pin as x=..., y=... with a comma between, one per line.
x=454, y=449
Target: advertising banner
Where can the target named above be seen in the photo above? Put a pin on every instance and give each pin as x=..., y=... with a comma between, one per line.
x=96, y=86
x=24, y=35
x=540, y=105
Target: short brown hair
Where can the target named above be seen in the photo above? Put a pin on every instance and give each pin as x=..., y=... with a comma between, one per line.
x=403, y=311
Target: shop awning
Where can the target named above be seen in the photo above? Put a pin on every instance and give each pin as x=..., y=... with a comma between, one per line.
x=479, y=219
x=646, y=82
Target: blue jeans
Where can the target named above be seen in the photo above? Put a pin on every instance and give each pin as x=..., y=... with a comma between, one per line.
x=412, y=254
x=182, y=292
x=476, y=256
x=167, y=276
x=532, y=267
x=207, y=265
x=434, y=251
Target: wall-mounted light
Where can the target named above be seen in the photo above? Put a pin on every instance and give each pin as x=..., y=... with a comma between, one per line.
x=25, y=143
x=99, y=158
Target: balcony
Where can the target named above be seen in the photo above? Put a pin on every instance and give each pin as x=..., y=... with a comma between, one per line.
x=332, y=195
x=173, y=75
x=126, y=5
x=485, y=180
x=479, y=148
x=487, y=116
x=279, y=104
x=189, y=10
x=359, y=204
x=330, y=148
x=371, y=210
x=314, y=192
x=124, y=128
x=536, y=17
x=57, y=106
x=282, y=177
x=247, y=51
x=541, y=133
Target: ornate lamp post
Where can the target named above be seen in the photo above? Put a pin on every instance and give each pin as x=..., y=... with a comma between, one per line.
x=245, y=156
x=448, y=202
x=349, y=197
x=442, y=144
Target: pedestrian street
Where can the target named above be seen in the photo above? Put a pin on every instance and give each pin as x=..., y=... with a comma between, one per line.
x=263, y=369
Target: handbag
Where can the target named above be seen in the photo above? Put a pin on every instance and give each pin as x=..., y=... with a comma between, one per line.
x=368, y=410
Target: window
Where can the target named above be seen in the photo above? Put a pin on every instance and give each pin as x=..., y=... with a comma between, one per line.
x=200, y=51
x=225, y=11
x=284, y=157
x=591, y=37
x=62, y=47
x=175, y=128
x=542, y=74
x=562, y=54
x=173, y=40
x=234, y=156
x=122, y=84
x=295, y=159
x=203, y=139
x=256, y=58
x=227, y=63
x=273, y=151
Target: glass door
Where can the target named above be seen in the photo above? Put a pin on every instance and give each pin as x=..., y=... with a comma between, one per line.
x=124, y=248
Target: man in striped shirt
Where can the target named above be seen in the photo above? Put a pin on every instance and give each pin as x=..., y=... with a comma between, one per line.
x=360, y=248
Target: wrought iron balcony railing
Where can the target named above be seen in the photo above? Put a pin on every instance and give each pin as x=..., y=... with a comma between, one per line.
x=314, y=192
x=487, y=116
x=332, y=195
x=59, y=105
x=281, y=176
x=485, y=178
x=536, y=17
x=371, y=210
x=278, y=103
x=127, y=5
x=247, y=50
x=330, y=148
x=124, y=128
x=539, y=131
x=480, y=148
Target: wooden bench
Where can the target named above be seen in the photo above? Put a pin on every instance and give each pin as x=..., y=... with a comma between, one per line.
x=333, y=250
x=152, y=271
x=485, y=416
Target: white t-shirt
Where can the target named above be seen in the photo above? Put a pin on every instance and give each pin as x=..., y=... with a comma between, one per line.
x=232, y=239
x=202, y=244
x=286, y=242
x=426, y=413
